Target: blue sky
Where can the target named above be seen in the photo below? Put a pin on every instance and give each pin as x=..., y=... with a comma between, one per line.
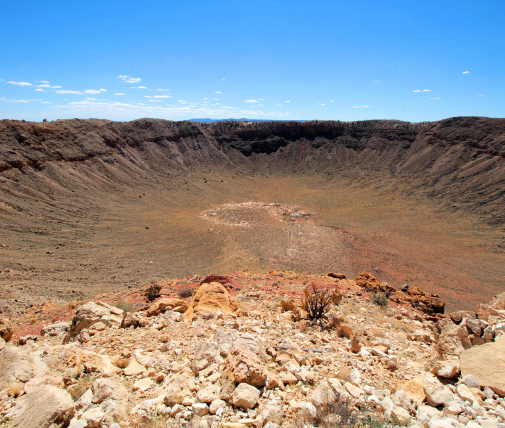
x=276, y=59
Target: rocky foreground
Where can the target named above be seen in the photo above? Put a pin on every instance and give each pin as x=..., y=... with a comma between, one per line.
x=237, y=351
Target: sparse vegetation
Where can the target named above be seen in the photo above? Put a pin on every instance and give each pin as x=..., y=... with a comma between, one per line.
x=185, y=292
x=288, y=304
x=380, y=299
x=152, y=292
x=318, y=302
x=126, y=306
x=344, y=331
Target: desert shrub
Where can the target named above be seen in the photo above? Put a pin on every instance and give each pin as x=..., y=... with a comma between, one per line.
x=185, y=292
x=126, y=306
x=287, y=304
x=152, y=292
x=318, y=302
x=344, y=331
x=380, y=299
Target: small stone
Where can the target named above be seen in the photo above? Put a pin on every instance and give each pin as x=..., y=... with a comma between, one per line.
x=245, y=396
x=200, y=409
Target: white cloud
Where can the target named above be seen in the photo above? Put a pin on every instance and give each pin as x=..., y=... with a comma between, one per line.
x=360, y=106
x=103, y=90
x=224, y=80
x=230, y=108
x=332, y=101
x=42, y=81
x=323, y=104
x=162, y=96
x=480, y=95
x=19, y=83
x=45, y=102
x=278, y=105
x=261, y=99
x=43, y=86
x=91, y=91
x=119, y=93
x=464, y=72
x=128, y=79
x=55, y=87
x=63, y=91
x=251, y=101
x=20, y=101
x=142, y=87
x=205, y=98
x=126, y=111
x=216, y=99
x=434, y=98
x=426, y=90
x=155, y=101
x=39, y=90
x=90, y=99
x=288, y=101
x=218, y=92
x=416, y=90
x=376, y=81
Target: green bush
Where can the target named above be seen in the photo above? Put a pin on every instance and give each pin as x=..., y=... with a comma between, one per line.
x=380, y=299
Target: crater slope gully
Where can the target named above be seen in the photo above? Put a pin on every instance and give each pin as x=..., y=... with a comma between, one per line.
x=94, y=206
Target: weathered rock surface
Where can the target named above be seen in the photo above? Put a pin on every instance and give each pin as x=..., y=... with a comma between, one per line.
x=212, y=298
x=486, y=363
x=44, y=407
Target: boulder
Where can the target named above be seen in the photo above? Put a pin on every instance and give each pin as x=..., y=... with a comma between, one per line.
x=200, y=409
x=438, y=396
x=446, y=369
x=270, y=415
x=55, y=329
x=20, y=365
x=451, y=343
x=44, y=407
x=486, y=363
x=212, y=298
x=91, y=361
x=323, y=396
x=241, y=366
x=414, y=388
x=5, y=330
x=208, y=394
x=245, y=396
x=205, y=354
x=89, y=314
x=165, y=303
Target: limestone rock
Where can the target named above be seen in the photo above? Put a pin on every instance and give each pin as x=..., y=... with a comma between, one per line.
x=134, y=368
x=446, y=369
x=163, y=304
x=323, y=396
x=211, y=298
x=20, y=365
x=401, y=415
x=208, y=394
x=414, y=387
x=216, y=405
x=245, y=396
x=426, y=413
x=243, y=367
x=91, y=361
x=486, y=363
x=43, y=407
x=438, y=396
x=55, y=329
x=89, y=314
x=271, y=415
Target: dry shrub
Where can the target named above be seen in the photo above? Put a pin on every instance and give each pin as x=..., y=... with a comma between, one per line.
x=185, y=292
x=152, y=292
x=126, y=306
x=317, y=303
x=344, y=331
x=288, y=304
